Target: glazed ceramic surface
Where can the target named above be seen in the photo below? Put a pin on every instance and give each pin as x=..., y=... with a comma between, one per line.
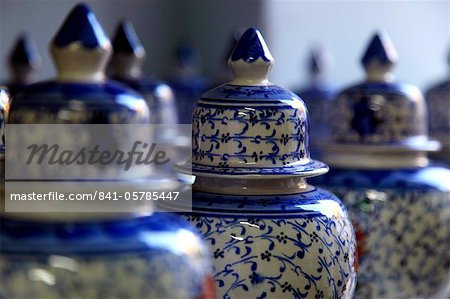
x=439, y=117
x=398, y=201
x=80, y=93
x=402, y=224
x=271, y=234
x=126, y=67
x=144, y=257
x=187, y=84
x=318, y=95
x=278, y=246
x=93, y=255
x=24, y=61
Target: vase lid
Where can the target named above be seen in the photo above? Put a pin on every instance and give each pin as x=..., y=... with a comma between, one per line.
x=128, y=52
x=24, y=59
x=379, y=118
x=80, y=93
x=80, y=48
x=250, y=127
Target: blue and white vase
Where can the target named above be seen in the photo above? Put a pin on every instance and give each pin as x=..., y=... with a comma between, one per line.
x=318, y=96
x=132, y=254
x=438, y=104
x=126, y=67
x=24, y=62
x=398, y=202
x=157, y=256
x=271, y=234
x=186, y=82
x=80, y=93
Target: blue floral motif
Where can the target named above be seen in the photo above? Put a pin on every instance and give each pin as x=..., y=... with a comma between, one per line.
x=379, y=113
x=277, y=135
x=260, y=243
x=263, y=94
x=402, y=220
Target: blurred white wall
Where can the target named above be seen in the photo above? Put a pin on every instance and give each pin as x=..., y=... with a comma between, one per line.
x=420, y=31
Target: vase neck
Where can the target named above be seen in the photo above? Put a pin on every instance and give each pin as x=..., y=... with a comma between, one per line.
x=282, y=186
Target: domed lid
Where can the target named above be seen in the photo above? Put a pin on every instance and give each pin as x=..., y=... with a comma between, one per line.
x=380, y=119
x=80, y=92
x=129, y=54
x=24, y=59
x=80, y=48
x=250, y=127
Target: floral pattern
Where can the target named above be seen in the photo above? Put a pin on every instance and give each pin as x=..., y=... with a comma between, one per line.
x=374, y=114
x=241, y=135
x=293, y=246
x=403, y=222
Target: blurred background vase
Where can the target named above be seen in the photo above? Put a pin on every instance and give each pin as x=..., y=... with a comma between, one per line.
x=398, y=202
x=318, y=94
x=270, y=233
x=126, y=67
x=135, y=254
x=187, y=81
x=438, y=102
x=24, y=62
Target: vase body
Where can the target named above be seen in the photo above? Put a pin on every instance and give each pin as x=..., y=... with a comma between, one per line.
x=270, y=234
x=156, y=256
x=402, y=224
x=318, y=98
x=159, y=97
x=439, y=118
x=72, y=102
x=187, y=91
x=278, y=246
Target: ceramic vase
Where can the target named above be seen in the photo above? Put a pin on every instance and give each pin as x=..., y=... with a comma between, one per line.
x=186, y=82
x=130, y=254
x=270, y=233
x=398, y=201
x=437, y=97
x=126, y=67
x=318, y=95
x=24, y=62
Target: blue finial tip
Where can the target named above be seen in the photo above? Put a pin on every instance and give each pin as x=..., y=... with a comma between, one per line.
x=81, y=26
x=126, y=40
x=380, y=49
x=25, y=52
x=318, y=60
x=251, y=47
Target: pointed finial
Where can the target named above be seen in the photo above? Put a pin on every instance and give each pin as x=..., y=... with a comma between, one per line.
x=81, y=26
x=126, y=40
x=81, y=48
x=319, y=61
x=25, y=52
x=24, y=59
x=251, y=59
x=128, y=56
x=380, y=50
x=251, y=46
